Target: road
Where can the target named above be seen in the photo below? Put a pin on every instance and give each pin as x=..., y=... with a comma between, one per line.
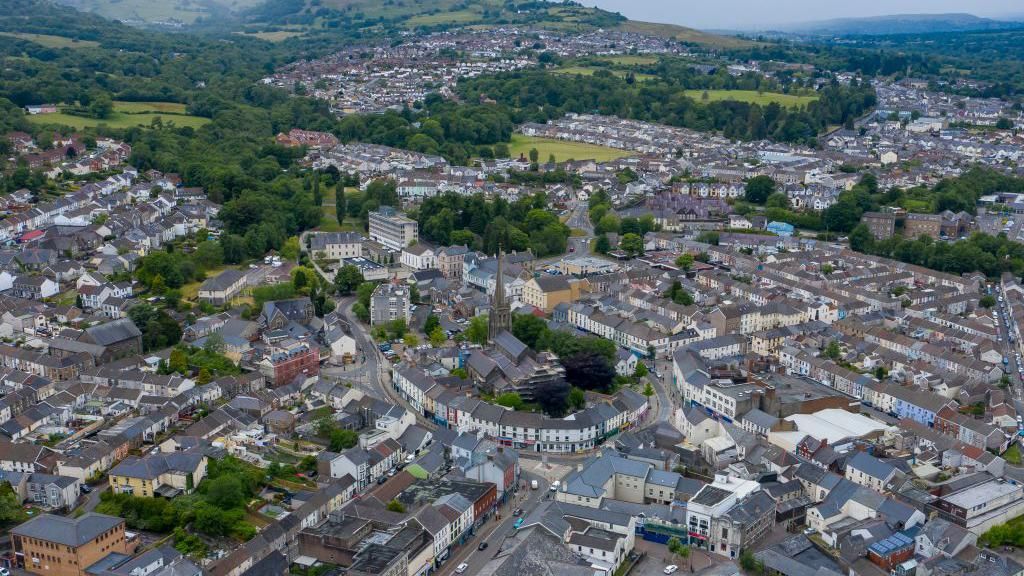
x=662, y=389
x=92, y=499
x=495, y=531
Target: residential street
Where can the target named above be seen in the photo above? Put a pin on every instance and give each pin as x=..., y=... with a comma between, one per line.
x=495, y=530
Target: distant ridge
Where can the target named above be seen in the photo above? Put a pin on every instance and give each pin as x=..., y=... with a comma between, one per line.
x=901, y=24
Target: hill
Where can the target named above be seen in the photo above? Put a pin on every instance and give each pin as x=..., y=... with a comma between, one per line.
x=684, y=34
x=170, y=13
x=278, y=20
x=902, y=24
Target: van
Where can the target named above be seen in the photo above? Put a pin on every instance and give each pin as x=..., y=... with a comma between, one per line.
x=555, y=485
x=533, y=484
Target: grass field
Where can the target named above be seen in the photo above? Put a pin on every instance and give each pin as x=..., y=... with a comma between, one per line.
x=186, y=11
x=456, y=17
x=52, y=41
x=562, y=150
x=126, y=115
x=630, y=60
x=1012, y=455
x=142, y=107
x=276, y=36
x=589, y=71
x=752, y=96
x=329, y=221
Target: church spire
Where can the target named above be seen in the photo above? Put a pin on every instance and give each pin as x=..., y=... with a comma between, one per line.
x=501, y=314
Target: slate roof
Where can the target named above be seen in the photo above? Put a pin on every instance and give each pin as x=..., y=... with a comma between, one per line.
x=67, y=531
x=113, y=332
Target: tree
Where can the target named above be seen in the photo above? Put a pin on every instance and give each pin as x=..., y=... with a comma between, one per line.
x=640, y=371
x=431, y=323
x=589, y=370
x=340, y=439
x=10, y=504
x=832, y=350
x=534, y=155
x=602, y=245
x=685, y=261
x=178, y=361
x=510, y=400
x=290, y=249
x=411, y=340
x=347, y=279
x=648, y=390
x=396, y=506
x=339, y=204
x=632, y=244
x=318, y=197
x=225, y=492
x=437, y=337
x=577, y=398
x=1004, y=123
x=477, y=331
x=987, y=301
x=529, y=329
x=758, y=189
x=553, y=397
x=861, y=238
x=101, y=107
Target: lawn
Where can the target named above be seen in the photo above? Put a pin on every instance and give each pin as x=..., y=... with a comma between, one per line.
x=630, y=60
x=563, y=150
x=1012, y=455
x=143, y=107
x=276, y=36
x=329, y=222
x=752, y=96
x=190, y=291
x=119, y=120
x=52, y=41
x=456, y=17
x=589, y=71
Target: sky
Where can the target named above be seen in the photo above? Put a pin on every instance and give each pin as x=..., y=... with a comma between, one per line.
x=763, y=14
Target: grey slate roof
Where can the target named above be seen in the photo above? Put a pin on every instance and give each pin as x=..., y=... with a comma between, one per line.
x=67, y=531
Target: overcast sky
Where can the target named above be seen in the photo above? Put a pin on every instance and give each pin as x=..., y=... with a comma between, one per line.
x=763, y=14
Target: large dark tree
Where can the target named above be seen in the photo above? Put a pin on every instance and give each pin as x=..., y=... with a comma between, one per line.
x=589, y=370
x=553, y=397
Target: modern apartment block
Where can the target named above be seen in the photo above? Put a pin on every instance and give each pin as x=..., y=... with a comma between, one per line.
x=392, y=229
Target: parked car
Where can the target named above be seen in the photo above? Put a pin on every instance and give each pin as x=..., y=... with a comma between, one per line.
x=517, y=512
x=482, y=546
x=671, y=569
x=519, y=522
x=461, y=568
x=85, y=490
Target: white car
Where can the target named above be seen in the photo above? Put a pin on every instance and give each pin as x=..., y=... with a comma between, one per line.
x=671, y=569
x=461, y=568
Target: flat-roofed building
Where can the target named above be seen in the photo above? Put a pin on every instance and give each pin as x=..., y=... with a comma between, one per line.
x=392, y=229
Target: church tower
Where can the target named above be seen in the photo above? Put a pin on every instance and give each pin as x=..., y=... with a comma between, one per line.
x=501, y=313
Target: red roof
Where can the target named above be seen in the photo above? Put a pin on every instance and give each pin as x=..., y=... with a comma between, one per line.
x=29, y=236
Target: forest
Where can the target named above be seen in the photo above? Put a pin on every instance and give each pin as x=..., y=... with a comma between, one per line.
x=539, y=96
x=526, y=224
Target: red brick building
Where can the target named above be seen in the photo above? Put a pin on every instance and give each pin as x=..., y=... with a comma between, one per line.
x=283, y=363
